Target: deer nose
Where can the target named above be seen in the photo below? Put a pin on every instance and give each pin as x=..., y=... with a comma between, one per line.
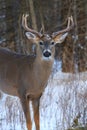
x=47, y=53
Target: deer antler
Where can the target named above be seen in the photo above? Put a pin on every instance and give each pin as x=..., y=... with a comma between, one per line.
x=70, y=25
x=25, y=26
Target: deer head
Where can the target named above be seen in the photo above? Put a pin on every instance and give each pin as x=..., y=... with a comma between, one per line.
x=45, y=42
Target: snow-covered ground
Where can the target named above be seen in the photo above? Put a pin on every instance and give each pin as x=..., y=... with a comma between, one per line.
x=64, y=98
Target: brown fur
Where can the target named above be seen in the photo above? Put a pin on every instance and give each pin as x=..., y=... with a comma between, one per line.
x=25, y=77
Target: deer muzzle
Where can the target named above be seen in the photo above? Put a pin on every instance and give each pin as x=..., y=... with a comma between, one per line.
x=47, y=53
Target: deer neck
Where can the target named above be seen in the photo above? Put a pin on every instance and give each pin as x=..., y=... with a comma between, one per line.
x=43, y=68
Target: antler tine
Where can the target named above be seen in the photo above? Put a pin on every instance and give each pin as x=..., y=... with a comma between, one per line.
x=70, y=19
x=67, y=29
x=24, y=22
x=25, y=26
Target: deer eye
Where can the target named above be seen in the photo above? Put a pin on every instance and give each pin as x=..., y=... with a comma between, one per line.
x=41, y=43
x=52, y=43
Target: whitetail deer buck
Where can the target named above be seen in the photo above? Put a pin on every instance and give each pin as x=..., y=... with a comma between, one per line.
x=26, y=76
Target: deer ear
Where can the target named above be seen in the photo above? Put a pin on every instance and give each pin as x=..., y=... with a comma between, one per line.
x=60, y=38
x=30, y=35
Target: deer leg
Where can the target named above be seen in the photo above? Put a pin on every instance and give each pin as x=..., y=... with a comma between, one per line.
x=35, y=104
x=25, y=106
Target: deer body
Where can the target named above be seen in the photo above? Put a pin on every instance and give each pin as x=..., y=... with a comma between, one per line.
x=17, y=70
x=26, y=76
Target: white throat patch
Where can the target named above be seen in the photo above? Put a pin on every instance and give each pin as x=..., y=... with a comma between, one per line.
x=47, y=58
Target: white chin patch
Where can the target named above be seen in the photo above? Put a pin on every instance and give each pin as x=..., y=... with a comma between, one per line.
x=46, y=58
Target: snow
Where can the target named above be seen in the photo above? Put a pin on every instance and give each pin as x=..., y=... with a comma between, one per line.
x=64, y=98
